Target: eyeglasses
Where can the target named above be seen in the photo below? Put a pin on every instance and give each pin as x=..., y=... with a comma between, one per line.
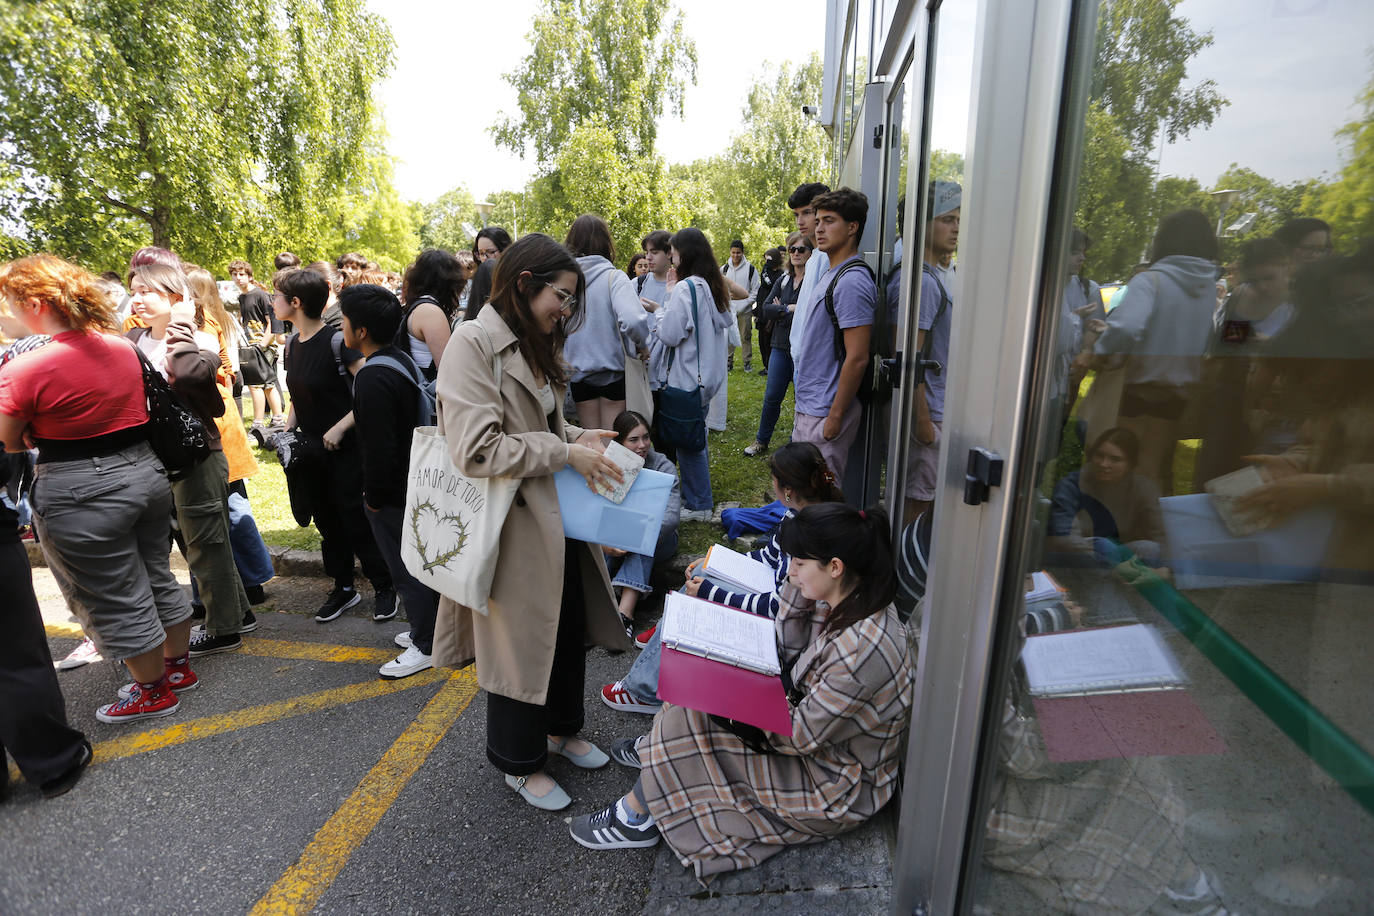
x=569, y=299
x=798, y=249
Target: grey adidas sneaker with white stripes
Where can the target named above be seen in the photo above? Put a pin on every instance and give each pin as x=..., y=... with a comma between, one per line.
x=607, y=829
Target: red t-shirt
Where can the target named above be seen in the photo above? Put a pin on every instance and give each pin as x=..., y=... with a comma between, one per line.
x=80, y=385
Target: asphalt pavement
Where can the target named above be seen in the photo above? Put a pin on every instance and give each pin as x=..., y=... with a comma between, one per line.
x=295, y=780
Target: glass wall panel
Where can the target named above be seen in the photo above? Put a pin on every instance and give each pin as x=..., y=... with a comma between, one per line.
x=1187, y=725
x=936, y=288
x=889, y=210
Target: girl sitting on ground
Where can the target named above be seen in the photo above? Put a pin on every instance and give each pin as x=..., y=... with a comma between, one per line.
x=800, y=478
x=727, y=796
x=631, y=571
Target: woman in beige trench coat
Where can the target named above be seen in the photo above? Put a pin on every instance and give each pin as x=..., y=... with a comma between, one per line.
x=550, y=595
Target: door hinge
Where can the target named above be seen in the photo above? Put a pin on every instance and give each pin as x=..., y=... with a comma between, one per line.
x=984, y=472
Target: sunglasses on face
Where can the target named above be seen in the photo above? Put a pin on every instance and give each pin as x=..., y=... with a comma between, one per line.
x=798, y=249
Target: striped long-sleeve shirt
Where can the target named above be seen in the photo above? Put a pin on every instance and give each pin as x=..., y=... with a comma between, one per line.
x=764, y=604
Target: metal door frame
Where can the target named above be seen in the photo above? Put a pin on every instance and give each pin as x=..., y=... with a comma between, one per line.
x=1019, y=62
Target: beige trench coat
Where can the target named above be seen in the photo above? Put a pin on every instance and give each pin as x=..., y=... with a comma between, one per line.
x=502, y=432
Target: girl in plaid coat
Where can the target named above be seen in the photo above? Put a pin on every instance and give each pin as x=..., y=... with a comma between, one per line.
x=727, y=796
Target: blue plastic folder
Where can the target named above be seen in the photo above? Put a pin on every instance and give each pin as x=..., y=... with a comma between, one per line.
x=632, y=525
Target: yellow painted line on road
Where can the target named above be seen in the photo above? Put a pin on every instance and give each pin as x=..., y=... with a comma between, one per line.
x=271, y=648
x=196, y=729
x=304, y=883
x=316, y=652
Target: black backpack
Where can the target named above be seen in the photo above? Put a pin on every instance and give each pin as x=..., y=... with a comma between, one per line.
x=876, y=385
x=924, y=364
x=726, y=266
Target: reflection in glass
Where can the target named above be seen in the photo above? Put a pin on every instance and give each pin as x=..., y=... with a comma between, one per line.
x=1206, y=469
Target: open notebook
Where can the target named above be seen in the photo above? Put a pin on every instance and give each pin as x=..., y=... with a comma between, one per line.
x=736, y=571
x=1102, y=660
x=719, y=633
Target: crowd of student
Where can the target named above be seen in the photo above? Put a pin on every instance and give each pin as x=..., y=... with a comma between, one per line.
x=501, y=346
x=366, y=358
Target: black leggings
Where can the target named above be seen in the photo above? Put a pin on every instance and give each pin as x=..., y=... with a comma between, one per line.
x=516, y=731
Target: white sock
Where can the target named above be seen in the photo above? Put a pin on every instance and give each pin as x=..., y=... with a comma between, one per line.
x=627, y=814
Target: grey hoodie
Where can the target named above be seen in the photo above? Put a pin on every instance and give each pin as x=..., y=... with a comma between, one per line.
x=681, y=334
x=611, y=314
x=1162, y=321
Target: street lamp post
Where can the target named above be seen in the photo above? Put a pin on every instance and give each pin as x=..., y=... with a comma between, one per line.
x=1224, y=199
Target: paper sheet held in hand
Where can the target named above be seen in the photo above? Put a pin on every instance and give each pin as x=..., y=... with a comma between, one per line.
x=720, y=633
x=630, y=465
x=1102, y=660
x=1226, y=491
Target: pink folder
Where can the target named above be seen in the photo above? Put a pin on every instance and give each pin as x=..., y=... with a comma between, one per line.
x=724, y=690
x=1151, y=723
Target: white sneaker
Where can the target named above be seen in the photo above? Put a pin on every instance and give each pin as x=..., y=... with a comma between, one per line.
x=696, y=515
x=411, y=661
x=403, y=639
x=83, y=654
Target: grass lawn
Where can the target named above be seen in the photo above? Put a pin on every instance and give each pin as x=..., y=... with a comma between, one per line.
x=734, y=478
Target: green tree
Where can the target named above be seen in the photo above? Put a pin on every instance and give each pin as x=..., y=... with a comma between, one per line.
x=743, y=192
x=208, y=126
x=369, y=217
x=619, y=62
x=444, y=219
x=944, y=165
x=633, y=195
x=1141, y=61
x=1348, y=203
x=1137, y=95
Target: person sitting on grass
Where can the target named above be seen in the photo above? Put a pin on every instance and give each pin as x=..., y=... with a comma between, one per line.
x=727, y=796
x=631, y=571
x=800, y=479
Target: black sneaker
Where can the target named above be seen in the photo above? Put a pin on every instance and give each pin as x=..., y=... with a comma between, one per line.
x=339, y=600
x=605, y=830
x=202, y=643
x=385, y=608
x=61, y=785
x=626, y=752
x=250, y=622
x=256, y=595
x=197, y=611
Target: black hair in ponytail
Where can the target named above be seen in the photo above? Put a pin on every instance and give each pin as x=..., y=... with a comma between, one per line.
x=800, y=467
x=860, y=540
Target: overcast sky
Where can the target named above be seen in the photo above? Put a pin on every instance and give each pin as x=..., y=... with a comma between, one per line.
x=446, y=88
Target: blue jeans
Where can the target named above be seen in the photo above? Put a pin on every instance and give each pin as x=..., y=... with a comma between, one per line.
x=634, y=569
x=642, y=680
x=250, y=553
x=775, y=389
x=695, y=470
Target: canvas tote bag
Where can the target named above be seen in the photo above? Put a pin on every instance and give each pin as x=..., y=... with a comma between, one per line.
x=638, y=397
x=452, y=524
